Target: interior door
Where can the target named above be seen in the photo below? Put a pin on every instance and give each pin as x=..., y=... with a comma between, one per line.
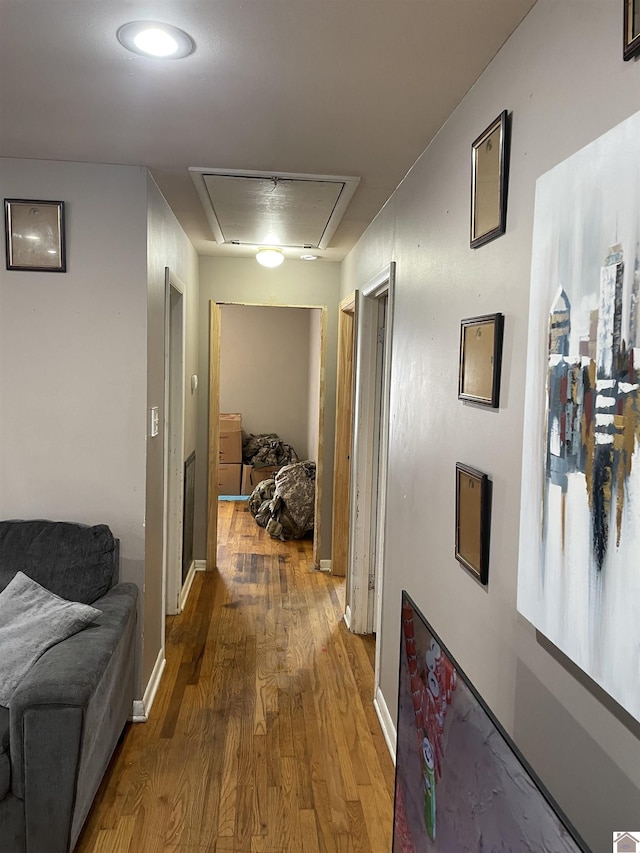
x=214, y=435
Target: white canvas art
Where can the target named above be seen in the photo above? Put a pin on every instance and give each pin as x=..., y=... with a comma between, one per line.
x=579, y=562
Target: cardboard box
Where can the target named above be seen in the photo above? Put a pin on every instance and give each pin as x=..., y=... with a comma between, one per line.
x=252, y=476
x=259, y=474
x=230, y=421
x=246, y=488
x=229, y=478
x=230, y=439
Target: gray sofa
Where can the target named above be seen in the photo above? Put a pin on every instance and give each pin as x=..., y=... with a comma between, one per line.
x=64, y=720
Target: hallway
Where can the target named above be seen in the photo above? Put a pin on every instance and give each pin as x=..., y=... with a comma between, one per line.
x=263, y=737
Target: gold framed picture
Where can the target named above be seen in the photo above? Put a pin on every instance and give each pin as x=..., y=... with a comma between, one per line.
x=481, y=359
x=473, y=520
x=489, y=172
x=631, y=28
x=34, y=235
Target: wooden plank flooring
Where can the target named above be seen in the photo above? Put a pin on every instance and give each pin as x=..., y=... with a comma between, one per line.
x=263, y=737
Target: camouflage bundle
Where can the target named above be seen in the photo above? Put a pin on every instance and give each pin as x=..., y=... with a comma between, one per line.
x=267, y=450
x=285, y=506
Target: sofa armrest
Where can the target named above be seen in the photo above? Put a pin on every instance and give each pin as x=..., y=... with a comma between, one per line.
x=61, y=682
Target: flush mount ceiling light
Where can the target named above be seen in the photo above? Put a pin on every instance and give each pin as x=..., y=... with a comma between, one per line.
x=270, y=257
x=149, y=38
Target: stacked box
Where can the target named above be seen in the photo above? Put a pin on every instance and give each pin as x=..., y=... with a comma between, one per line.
x=229, y=475
x=230, y=439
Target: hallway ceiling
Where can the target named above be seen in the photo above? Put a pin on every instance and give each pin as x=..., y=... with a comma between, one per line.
x=321, y=87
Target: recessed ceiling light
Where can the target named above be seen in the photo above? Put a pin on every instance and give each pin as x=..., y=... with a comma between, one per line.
x=162, y=41
x=308, y=257
x=269, y=257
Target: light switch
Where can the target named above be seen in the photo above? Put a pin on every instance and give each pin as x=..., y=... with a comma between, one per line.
x=154, y=421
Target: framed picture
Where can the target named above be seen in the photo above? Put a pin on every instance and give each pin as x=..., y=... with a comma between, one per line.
x=631, y=28
x=489, y=171
x=34, y=234
x=481, y=359
x=473, y=519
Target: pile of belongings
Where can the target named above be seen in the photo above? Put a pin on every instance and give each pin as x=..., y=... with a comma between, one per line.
x=284, y=506
x=267, y=449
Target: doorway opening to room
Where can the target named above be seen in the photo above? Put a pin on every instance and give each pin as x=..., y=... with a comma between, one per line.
x=267, y=366
x=373, y=327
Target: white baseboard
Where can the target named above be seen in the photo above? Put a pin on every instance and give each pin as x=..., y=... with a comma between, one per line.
x=325, y=565
x=347, y=617
x=200, y=565
x=142, y=708
x=386, y=723
x=138, y=715
x=186, y=586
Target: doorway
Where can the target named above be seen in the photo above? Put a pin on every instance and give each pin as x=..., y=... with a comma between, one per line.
x=373, y=339
x=174, y=359
x=269, y=383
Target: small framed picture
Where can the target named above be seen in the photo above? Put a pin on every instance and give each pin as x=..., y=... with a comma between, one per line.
x=631, y=28
x=473, y=520
x=481, y=359
x=489, y=171
x=34, y=234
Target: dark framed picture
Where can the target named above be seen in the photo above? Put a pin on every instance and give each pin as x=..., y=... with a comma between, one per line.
x=34, y=235
x=631, y=28
x=473, y=520
x=481, y=359
x=489, y=178
x=461, y=782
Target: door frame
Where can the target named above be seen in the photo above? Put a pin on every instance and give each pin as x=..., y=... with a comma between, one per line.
x=364, y=607
x=340, y=533
x=213, y=431
x=173, y=436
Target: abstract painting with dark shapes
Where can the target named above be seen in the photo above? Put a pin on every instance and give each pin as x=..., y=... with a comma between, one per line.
x=579, y=565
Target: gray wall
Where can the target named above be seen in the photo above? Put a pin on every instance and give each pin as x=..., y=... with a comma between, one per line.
x=264, y=370
x=299, y=283
x=75, y=350
x=563, y=77
x=73, y=358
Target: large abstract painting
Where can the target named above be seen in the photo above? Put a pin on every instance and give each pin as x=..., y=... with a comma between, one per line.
x=579, y=564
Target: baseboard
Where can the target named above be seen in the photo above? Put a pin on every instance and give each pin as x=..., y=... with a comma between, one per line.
x=142, y=707
x=325, y=565
x=138, y=715
x=200, y=565
x=186, y=586
x=386, y=723
x=347, y=617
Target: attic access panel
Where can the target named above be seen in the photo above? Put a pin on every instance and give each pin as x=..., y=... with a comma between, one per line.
x=278, y=208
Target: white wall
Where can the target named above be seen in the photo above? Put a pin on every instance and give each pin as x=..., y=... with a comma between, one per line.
x=264, y=370
x=73, y=351
x=563, y=77
x=294, y=283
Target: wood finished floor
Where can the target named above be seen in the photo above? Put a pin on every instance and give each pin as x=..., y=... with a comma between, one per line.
x=263, y=737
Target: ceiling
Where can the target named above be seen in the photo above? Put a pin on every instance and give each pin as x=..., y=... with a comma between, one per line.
x=323, y=87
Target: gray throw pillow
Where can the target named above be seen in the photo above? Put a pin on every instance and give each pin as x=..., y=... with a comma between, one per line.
x=32, y=619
